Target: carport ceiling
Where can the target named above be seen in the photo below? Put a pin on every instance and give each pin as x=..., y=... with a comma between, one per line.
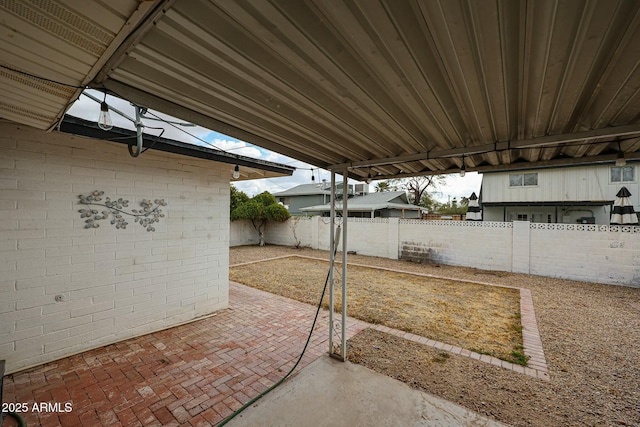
x=388, y=88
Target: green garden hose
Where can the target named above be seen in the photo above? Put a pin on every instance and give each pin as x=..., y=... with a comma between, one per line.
x=252, y=401
x=16, y=417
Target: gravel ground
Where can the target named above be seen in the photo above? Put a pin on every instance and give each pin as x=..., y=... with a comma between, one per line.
x=590, y=333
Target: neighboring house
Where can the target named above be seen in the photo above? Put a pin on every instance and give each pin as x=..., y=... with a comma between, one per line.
x=391, y=204
x=304, y=195
x=580, y=194
x=72, y=279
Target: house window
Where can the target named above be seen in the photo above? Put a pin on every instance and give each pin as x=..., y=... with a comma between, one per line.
x=522, y=217
x=523, y=179
x=622, y=174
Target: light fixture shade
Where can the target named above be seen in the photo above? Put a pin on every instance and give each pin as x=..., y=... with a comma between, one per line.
x=104, y=119
x=236, y=172
x=620, y=160
x=463, y=170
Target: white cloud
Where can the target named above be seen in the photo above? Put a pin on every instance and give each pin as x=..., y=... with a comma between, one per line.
x=457, y=186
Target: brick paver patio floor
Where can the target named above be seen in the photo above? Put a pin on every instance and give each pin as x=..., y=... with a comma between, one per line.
x=199, y=373
x=191, y=375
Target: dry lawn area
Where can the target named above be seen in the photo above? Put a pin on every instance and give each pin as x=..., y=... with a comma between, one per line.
x=481, y=318
x=591, y=338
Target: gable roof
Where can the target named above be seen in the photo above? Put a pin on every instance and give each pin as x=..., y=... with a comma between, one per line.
x=379, y=197
x=370, y=202
x=303, y=190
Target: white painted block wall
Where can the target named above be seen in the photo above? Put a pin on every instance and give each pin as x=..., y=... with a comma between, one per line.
x=116, y=284
x=243, y=233
x=281, y=233
x=590, y=253
x=521, y=254
x=480, y=245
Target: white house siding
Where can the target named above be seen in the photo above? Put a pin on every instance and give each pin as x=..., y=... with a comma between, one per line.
x=115, y=284
x=580, y=183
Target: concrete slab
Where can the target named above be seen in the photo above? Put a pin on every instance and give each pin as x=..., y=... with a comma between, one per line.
x=332, y=393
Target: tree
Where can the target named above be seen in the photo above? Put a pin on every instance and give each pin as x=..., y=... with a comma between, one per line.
x=260, y=209
x=417, y=187
x=237, y=197
x=429, y=202
x=455, y=207
x=383, y=186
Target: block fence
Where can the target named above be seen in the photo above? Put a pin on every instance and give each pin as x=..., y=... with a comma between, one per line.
x=592, y=253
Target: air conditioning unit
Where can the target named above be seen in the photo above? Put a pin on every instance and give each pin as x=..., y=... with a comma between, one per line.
x=361, y=189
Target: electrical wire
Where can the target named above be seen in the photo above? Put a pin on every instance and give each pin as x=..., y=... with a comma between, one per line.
x=188, y=133
x=315, y=319
x=154, y=142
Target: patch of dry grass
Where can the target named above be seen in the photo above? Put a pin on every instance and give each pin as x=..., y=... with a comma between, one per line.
x=469, y=315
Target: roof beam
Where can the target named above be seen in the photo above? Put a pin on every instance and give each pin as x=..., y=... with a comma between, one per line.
x=139, y=30
x=574, y=161
x=114, y=50
x=543, y=141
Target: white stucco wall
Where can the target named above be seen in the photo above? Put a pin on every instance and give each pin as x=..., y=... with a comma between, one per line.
x=474, y=244
x=587, y=252
x=243, y=233
x=115, y=284
x=594, y=253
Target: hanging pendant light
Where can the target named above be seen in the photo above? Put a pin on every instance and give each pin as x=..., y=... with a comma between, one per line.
x=104, y=119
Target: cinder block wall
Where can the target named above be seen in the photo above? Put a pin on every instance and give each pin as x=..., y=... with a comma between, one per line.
x=587, y=252
x=481, y=245
x=243, y=233
x=593, y=253
x=113, y=284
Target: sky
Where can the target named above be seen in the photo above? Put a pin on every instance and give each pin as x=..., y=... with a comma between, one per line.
x=86, y=108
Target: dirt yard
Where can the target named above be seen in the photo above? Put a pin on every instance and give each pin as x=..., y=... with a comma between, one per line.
x=591, y=338
x=481, y=318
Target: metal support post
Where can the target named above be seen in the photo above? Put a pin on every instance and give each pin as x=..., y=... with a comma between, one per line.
x=332, y=243
x=345, y=216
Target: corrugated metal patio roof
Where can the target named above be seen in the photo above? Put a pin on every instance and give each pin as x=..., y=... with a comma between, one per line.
x=387, y=88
